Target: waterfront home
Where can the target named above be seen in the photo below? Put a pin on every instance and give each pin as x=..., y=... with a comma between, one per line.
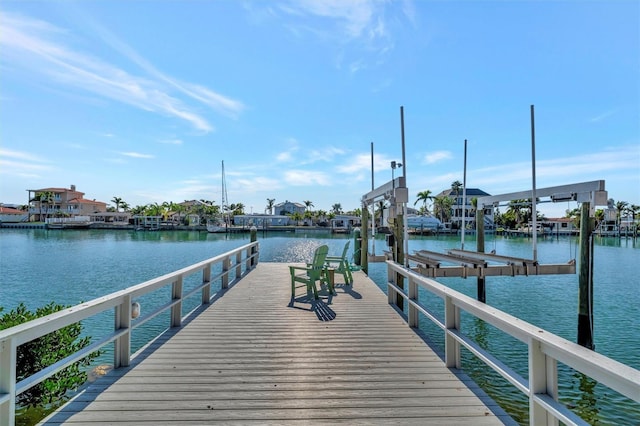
x=289, y=208
x=459, y=206
x=70, y=202
x=560, y=226
x=261, y=220
x=344, y=223
x=11, y=215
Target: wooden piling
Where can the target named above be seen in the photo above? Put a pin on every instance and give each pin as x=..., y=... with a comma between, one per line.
x=398, y=255
x=482, y=295
x=585, y=280
x=364, y=245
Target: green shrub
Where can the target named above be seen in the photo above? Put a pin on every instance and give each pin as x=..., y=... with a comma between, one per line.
x=46, y=350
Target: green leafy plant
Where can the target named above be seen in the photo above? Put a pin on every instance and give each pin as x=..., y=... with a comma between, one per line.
x=44, y=351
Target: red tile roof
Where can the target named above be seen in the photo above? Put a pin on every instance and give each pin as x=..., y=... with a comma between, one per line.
x=84, y=201
x=9, y=210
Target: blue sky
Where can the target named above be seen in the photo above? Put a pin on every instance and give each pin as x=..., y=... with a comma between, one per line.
x=143, y=100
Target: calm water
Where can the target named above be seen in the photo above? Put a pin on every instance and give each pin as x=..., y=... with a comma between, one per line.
x=68, y=267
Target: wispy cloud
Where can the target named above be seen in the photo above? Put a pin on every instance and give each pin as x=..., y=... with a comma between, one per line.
x=44, y=49
x=23, y=164
x=306, y=178
x=593, y=166
x=288, y=155
x=172, y=141
x=360, y=24
x=362, y=163
x=602, y=116
x=137, y=155
x=437, y=156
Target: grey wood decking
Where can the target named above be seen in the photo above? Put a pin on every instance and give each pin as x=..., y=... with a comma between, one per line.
x=250, y=358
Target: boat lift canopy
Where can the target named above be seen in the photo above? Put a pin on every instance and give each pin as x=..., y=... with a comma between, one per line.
x=584, y=192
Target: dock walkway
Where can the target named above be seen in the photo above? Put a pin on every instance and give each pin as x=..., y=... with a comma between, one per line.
x=252, y=358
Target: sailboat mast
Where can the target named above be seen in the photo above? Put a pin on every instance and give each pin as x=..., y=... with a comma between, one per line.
x=224, y=190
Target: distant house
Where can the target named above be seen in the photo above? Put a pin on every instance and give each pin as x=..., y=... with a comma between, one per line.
x=560, y=225
x=49, y=202
x=260, y=220
x=458, y=207
x=9, y=214
x=289, y=208
x=344, y=223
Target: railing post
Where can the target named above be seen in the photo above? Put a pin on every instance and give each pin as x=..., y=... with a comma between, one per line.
x=226, y=266
x=206, y=279
x=8, y=360
x=413, y=311
x=452, y=322
x=176, y=295
x=391, y=292
x=254, y=237
x=238, y=265
x=543, y=379
x=122, y=345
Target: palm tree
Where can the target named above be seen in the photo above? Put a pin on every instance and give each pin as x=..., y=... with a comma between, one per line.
x=442, y=207
x=599, y=216
x=117, y=201
x=634, y=209
x=138, y=210
x=297, y=217
x=456, y=186
x=320, y=216
x=356, y=212
x=270, y=204
x=44, y=198
x=424, y=196
x=308, y=204
x=516, y=210
x=621, y=207
x=308, y=215
x=336, y=208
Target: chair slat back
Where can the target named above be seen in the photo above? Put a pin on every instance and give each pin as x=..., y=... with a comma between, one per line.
x=319, y=257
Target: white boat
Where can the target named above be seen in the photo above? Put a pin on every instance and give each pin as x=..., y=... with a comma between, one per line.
x=216, y=226
x=423, y=223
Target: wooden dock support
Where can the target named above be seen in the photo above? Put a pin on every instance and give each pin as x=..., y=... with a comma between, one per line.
x=482, y=294
x=585, y=280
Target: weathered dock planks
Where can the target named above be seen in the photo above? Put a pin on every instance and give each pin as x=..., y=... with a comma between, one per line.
x=252, y=358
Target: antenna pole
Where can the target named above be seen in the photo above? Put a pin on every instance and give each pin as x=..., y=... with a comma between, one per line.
x=464, y=197
x=372, y=187
x=534, y=221
x=373, y=216
x=405, y=235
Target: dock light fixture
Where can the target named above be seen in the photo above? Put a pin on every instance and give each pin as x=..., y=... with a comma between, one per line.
x=394, y=166
x=135, y=310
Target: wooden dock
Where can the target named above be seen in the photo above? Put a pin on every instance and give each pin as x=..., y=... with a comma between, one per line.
x=253, y=358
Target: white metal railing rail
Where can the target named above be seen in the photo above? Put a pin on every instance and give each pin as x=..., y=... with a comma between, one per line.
x=235, y=263
x=545, y=349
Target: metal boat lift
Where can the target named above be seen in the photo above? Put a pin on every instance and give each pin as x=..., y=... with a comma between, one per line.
x=474, y=264
x=465, y=263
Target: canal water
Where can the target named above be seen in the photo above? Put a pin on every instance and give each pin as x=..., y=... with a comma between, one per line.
x=40, y=266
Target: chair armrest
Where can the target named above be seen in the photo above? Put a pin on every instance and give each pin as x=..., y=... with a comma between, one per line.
x=298, y=268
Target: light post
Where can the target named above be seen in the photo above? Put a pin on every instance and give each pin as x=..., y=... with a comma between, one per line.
x=394, y=166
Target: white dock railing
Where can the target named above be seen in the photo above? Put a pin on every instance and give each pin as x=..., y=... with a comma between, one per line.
x=235, y=263
x=545, y=349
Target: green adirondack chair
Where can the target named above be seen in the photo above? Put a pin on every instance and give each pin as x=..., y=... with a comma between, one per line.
x=341, y=264
x=314, y=271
